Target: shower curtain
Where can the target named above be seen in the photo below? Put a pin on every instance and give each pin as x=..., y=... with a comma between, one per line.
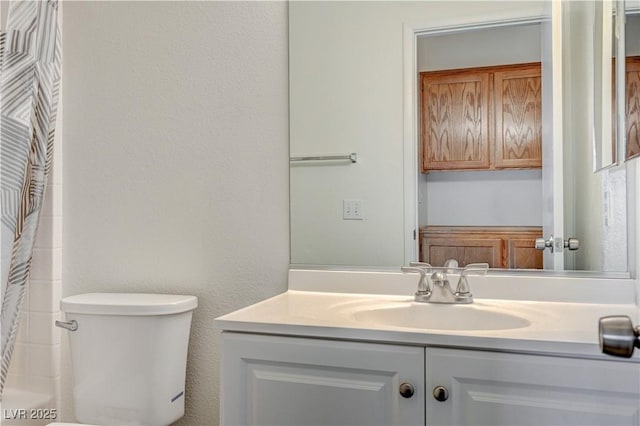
x=29, y=82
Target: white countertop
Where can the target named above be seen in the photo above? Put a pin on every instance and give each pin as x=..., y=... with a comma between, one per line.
x=556, y=328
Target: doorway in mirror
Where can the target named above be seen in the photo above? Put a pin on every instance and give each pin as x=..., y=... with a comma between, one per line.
x=480, y=142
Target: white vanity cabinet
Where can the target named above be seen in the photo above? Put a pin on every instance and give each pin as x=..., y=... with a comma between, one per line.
x=280, y=381
x=489, y=388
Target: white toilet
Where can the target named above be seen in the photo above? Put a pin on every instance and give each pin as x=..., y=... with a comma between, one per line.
x=129, y=355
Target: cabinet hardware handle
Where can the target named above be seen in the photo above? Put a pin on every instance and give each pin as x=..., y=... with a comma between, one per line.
x=617, y=336
x=406, y=390
x=440, y=393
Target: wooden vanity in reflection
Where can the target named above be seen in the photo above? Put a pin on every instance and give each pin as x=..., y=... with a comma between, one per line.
x=511, y=247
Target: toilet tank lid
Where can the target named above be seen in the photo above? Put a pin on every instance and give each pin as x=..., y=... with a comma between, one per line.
x=128, y=304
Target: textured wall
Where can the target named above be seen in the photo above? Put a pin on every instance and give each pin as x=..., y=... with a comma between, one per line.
x=176, y=162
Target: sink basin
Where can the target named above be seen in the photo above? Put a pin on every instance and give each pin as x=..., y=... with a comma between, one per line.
x=439, y=317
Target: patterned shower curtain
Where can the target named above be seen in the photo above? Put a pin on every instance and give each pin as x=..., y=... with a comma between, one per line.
x=29, y=82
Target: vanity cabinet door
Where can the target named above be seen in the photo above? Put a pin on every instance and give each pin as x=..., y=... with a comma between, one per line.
x=499, y=246
x=464, y=249
x=273, y=380
x=522, y=254
x=496, y=389
x=455, y=120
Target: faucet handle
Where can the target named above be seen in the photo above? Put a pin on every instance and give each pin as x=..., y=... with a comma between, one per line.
x=423, y=284
x=423, y=265
x=476, y=269
x=472, y=268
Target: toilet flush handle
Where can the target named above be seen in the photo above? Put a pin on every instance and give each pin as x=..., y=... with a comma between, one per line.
x=69, y=325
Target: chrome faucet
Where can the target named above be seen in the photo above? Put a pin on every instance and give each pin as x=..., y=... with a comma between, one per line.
x=451, y=265
x=440, y=290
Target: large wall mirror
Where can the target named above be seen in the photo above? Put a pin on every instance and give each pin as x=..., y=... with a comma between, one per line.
x=434, y=130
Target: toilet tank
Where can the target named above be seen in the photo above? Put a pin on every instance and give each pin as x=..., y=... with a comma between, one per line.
x=129, y=356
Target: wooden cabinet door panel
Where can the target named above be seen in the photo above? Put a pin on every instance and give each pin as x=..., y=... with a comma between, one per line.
x=455, y=115
x=500, y=246
x=518, y=117
x=436, y=251
x=522, y=254
x=632, y=104
x=499, y=389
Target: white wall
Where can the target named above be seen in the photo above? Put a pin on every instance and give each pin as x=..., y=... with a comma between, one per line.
x=499, y=198
x=175, y=162
x=502, y=198
x=583, y=209
x=513, y=44
x=603, y=236
x=615, y=238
